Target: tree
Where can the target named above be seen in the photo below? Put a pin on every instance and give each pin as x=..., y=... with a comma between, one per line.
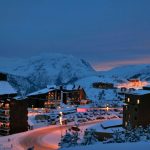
x=65, y=140
x=75, y=138
x=89, y=137
x=118, y=137
x=70, y=139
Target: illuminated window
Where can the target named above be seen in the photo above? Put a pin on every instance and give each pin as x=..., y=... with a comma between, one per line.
x=138, y=101
x=126, y=123
x=1, y=104
x=128, y=99
x=7, y=105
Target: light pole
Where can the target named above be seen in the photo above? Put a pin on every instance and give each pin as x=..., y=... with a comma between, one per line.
x=107, y=109
x=60, y=121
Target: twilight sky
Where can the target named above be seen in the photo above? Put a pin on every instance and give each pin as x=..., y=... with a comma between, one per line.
x=106, y=33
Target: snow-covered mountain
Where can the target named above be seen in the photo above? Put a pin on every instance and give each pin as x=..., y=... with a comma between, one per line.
x=38, y=72
x=129, y=71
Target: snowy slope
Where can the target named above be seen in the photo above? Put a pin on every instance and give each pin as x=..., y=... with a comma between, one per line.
x=130, y=71
x=109, y=96
x=38, y=72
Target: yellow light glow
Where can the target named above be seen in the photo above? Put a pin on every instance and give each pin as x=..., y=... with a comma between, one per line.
x=107, y=108
x=60, y=118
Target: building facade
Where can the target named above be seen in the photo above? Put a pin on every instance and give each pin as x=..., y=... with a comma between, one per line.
x=13, y=116
x=137, y=109
x=53, y=97
x=45, y=98
x=13, y=111
x=103, y=85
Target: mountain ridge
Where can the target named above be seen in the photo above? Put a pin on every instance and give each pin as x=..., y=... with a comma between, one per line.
x=39, y=71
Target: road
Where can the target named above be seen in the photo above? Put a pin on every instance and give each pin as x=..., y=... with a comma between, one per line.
x=35, y=138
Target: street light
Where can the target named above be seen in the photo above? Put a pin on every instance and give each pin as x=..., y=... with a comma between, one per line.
x=60, y=121
x=107, y=108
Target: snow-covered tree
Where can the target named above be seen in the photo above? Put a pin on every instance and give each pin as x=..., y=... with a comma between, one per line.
x=118, y=137
x=134, y=136
x=89, y=137
x=75, y=138
x=70, y=139
x=65, y=140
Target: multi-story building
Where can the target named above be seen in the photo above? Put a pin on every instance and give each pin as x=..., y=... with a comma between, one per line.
x=13, y=111
x=73, y=95
x=48, y=97
x=137, y=109
x=103, y=85
x=51, y=97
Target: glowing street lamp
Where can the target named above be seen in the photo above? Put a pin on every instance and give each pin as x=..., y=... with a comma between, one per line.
x=60, y=118
x=61, y=121
x=107, y=108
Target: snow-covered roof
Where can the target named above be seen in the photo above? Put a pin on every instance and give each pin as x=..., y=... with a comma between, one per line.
x=19, y=97
x=109, y=123
x=71, y=87
x=141, y=92
x=98, y=127
x=6, y=88
x=51, y=86
x=42, y=91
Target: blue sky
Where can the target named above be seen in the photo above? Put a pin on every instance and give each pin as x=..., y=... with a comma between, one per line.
x=104, y=32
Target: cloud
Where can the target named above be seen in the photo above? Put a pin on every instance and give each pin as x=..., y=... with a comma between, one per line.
x=111, y=64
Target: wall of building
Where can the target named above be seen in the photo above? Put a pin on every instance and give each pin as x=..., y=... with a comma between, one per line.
x=136, y=111
x=18, y=116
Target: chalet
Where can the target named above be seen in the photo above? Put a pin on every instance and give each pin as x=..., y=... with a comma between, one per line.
x=13, y=111
x=51, y=97
x=74, y=95
x=137, y=109
x=103, y=85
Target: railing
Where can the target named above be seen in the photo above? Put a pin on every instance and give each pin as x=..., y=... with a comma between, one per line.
x=4, y=108
x=4, y=113
x=4, y=120
x=2, y=128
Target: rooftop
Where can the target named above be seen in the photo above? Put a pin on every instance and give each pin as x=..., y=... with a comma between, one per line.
x=71, y=87
x=141, y=92
x=6, y=88
x=49, y=88
x=42, y=91
x=106, y=124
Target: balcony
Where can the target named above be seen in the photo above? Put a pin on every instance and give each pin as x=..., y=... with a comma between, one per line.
x=4, y=132
x=4, y=128
x=4, y=108
x=4, y=112
x=4, y=119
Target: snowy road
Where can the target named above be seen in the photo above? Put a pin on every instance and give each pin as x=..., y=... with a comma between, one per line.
x=35, y=138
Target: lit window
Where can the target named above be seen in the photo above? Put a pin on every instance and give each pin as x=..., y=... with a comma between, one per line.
x=128, y=99
x=1, y=104
x=138, y=101
x=7, y=105
x=126, y=123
